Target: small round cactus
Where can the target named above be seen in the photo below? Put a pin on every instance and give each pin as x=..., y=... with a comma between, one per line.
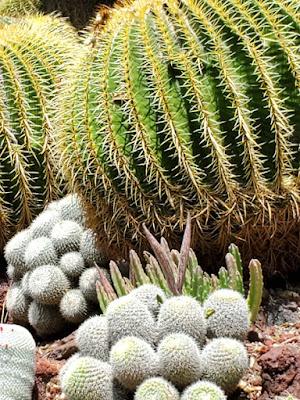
x=66, y=236
x=203, y=390
x=87, y=378
x=227, y=314
x=39, y=252
x=70, y=208
x=73, y=306
x=13, y=273
x=89, y=249
x=17, y=304
x=151, y=296
x=72, y=264
x=128, y=316
x=182, y=314
x=179, y=359
x=224, y=362
x=48, y=284
x=92, y=338
x=46, y=320
x=87, y=283
x=133, y=360
x=14, y=251
x=25, y=283
x=43, y=224
x=156, y=388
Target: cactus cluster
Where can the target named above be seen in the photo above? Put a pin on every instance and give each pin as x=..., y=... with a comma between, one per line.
x=160, y=352
x=50, y=265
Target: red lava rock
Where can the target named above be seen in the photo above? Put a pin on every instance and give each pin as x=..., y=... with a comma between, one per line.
x=47, y=367
x=281, y=370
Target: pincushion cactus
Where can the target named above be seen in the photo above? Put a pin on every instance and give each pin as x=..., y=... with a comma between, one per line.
x=227, y=314
x=224, y=362
x=17, y=363
x=156, y=388
x=133, y=360
x=14, y=251
x=66, y=236
x=182, y=314
x=72, y=264
x=73, y=306
x=179, y=359
x=87, y=283
x=40, y=251
x=92, y=338
x=45, y=319
x=43, y=224
x=48, y=284
x=151, y=295
x=89, y=249
x=87, y=378
x=70, y=208
x=17, y=303
x=203, y=390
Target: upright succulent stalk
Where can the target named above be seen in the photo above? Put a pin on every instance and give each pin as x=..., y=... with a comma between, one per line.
x=33, y=53
x=189, y=106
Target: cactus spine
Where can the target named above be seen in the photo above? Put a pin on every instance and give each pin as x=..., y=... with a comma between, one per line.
x=187, y=112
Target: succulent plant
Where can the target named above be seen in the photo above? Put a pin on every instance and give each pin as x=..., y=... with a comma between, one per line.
x=156, y=388
x=74, y=307
x=17, y=8
x=182, y=314
x=17, y=362
x=227, y=314
x=72, y=264
x=48, y=284
x=128, y=316
x=179, y=359
x=151, y=295
x=92, y=338
x=87, y=283
x=70, y=208
x=40, y=252
x=133, y=360
x=203, y=390
x=14, y=252
x=13, y=273
x=17, y=304
x=224, y=362
x=87, y=378
x=89, y=248
x=43, y=224
x=25, y=283
x=45, y=319
x=66, y=236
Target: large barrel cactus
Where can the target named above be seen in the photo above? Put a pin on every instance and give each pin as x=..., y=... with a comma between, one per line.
x=190, y=106
x=32, y=57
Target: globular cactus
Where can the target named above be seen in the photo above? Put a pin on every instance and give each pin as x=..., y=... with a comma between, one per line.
x=151, y=295
x=17, y=363
x=227, y=314
x=74, y=307
x=133, y=360
x=17, y=8
x=72, y=264
x=203, y=390
x=66, y=236
x=128, y=316
x=87, y=378
x=25, y=283
x=17, y=304
x=70, y=208
x=40, y=252
x=13, y=273
x=182, y=314
x=33, y=56
x=43, y=224
x=224, y=362
x=14, y=253
x=89, y=248
x=156, y=388
x=45, y=319
x=48, y=284
x=87, y=283
x=92, y=338
x=198, y=113
x=179, y=359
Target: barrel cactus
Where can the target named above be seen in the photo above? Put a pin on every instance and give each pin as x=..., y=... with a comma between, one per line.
x=17, y=362
x=189, y=106
x=32, y=59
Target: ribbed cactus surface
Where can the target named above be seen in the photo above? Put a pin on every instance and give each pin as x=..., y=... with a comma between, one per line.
x=189, y=105
x=32, y=57
x=17, y=363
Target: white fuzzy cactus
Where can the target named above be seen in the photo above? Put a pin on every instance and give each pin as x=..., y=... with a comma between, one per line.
x=17, y=363
x=72, y=264
x=70, y=208
x=45, y=319
x=89, y=248
x=43, y=224
x=151, y=295
x=40, y=252
x=14, y=251
x=203, y=390
x=74, y=307
x=66, y=236
x=87, y=283
x=17, y=304
x=156, y=388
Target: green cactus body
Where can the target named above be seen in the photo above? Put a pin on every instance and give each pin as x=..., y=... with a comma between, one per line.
x=72, y=264
x=156, y=388
x=17, y=363
x=227, y=314
x=45, y=319
x=185, y=109
x=92, y=338
x=152, y=296
x=224, y=362
x=182, y=314
x=48, y=284
x=87, y=378
x=179, y=359
x=17, y=304
x=73, y=306
x=133, y=360
x=128, y=316
x=66, y=236
x=33, y=53
x=203, y=390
